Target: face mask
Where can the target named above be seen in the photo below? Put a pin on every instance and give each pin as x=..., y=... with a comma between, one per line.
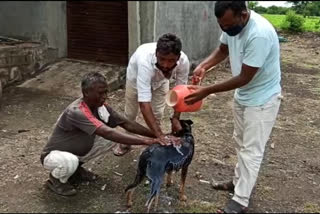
x=233, y=31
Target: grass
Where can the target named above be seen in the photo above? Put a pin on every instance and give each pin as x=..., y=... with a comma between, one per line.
x=311, y=208
x=309, y=24
x=275, y=20
x=198, y=207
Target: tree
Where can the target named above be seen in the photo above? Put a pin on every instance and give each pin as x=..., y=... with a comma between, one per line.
x=300, y=7
x=313, y=8
x=252, y=5
x=277, y=10
x=261, y=10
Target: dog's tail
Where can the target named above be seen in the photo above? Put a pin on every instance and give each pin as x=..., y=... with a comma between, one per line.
x=155, y=190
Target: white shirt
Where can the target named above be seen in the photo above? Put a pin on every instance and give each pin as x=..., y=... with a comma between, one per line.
x=145, y=76
x=257, y=45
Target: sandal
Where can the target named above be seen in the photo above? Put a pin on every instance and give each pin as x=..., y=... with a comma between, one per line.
x=227, y=186
x=233, y=207
x=121, y=150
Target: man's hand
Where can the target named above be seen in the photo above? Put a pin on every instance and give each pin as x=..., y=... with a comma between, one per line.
x=167, y=140
x=157, y=140
x=175, y=125
x=199, y=94
x=176, y=141
x=198, y=74
x=164, y=140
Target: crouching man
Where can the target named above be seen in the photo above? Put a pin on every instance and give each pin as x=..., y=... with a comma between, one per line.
x=73, y=143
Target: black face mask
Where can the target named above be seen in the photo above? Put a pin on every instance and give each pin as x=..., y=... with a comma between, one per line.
x=233, y=31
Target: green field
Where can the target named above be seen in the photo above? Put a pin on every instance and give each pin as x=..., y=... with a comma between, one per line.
x=309, y=24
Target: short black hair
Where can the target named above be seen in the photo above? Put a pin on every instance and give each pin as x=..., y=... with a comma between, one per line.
x=222, y=6
x=169, y=43
x=90, y=79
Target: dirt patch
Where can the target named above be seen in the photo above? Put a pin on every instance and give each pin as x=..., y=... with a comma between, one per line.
x=300, y=81
x=289, y=179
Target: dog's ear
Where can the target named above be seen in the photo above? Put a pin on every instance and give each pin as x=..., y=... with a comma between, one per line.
x=190, y=122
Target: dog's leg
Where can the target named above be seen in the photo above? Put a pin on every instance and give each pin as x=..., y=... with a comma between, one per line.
x=184, y=172
x=156, y=202
x=130, y=189
x=169, y=179
x=129, y=197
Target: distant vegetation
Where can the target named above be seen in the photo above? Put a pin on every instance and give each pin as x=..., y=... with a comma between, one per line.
x=302, y=16
x=304, y=8
x=280, y=22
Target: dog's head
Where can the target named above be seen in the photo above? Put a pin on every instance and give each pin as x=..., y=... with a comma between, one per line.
x=186, y=127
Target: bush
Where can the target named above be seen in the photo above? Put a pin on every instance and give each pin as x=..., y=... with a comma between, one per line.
x=260, y=9
x=317, y=25
x=277, y=10
x=293, y=22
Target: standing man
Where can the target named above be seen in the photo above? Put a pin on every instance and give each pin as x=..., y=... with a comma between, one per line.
x=73, y=143
x=252, y=45
x=148, y=73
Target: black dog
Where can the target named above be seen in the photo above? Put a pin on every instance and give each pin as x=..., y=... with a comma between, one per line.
x=156, y=160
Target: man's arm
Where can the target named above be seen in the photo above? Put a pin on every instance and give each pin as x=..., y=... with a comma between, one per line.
x=182, y=75
x=150, y=119
x=256, y=53
x=123, y=138
x=146, y=110
x=175, y=122
x=117, y=119
x=217, y=56
x=176, y=115
x=136, y=128
x=245, y=76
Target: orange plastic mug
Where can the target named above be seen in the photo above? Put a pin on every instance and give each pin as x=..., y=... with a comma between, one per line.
x=175, y=98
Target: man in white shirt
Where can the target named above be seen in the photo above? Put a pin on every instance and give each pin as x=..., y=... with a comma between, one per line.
x=148, y=73
x=252, y=45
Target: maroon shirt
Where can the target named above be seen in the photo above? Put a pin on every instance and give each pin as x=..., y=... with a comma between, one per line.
x=75, y=128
